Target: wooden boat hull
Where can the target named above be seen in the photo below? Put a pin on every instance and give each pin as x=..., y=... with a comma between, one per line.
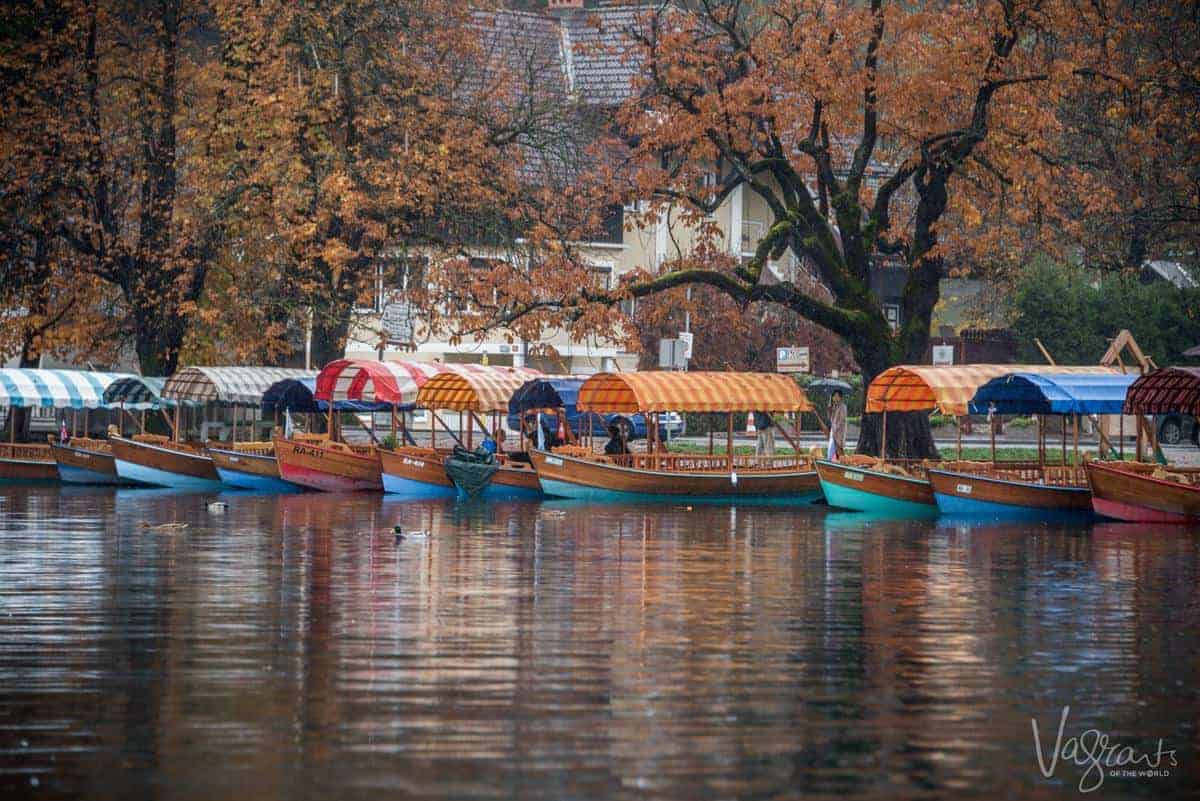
x=1125, y=495
x=321, y=467
x=966, y=495
x=585, y=479
x=862, y=489
x=250, y=471
x=27, y=462
x=515, y=481
x=415, y=473
x=420, y=473
x=77, y=465
x=164, y=466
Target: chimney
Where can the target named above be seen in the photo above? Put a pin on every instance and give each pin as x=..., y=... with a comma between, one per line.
x=561, y=8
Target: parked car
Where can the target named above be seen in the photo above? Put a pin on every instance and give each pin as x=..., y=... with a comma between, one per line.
x=1175, y=428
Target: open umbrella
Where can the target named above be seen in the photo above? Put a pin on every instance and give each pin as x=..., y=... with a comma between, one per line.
x=827, y=385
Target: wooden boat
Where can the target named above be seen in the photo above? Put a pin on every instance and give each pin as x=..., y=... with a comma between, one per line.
x=27, y=461
x=1145, y=493
x=157, y=460
x=471, y=390
x=1034, y=490
x=87, y=461
x=904, y=487
x=574, y=471
x=866, y=484
x=421, y=473
x=1011, y=491
x=569, y=473
x=249, y=466
x=26, y=387
x=319, y=463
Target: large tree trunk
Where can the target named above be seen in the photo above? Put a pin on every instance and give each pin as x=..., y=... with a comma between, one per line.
x=330, y=330
x=19, y=416
x=909, y=435
x=158, y=337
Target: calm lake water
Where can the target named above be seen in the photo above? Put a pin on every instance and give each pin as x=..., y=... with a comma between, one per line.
x=290, y=647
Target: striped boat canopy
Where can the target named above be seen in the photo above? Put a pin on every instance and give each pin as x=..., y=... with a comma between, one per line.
x=922, y=387
x=392, y=383
x=58, y=389
x=1172, y=389
x=241, y=386
x=137, y=392
x=1052, y=393
x=692, y=392
x=474, y=387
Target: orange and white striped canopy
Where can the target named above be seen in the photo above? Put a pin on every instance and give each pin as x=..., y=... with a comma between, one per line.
x=948, y=388
x=473, y=387
x=691, y=392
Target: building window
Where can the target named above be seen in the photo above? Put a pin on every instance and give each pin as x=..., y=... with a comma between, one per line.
x=601, y=276
x=891, y=313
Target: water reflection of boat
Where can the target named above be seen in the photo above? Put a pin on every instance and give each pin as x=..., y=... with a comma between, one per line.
x=857, y=521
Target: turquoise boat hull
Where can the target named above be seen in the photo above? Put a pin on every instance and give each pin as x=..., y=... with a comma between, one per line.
x=859, y=501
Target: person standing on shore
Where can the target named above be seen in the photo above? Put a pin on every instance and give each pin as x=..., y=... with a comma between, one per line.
x=837, y=426
x=766, y=437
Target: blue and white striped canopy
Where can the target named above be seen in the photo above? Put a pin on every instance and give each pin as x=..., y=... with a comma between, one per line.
x=137, y=392
x=59, y=389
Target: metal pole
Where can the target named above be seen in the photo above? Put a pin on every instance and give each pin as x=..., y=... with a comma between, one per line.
x=883, y=437
x=992, y=429
x=729, y=438
x=1121, y=433
x=1075, y=427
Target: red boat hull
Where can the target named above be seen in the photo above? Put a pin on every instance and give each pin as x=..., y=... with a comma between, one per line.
x=1132, y=494
x=327, y=467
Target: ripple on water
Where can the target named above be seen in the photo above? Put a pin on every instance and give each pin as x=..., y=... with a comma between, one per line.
x=293, y=647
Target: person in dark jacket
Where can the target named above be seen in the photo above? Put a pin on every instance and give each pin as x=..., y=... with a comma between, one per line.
x=616, y=445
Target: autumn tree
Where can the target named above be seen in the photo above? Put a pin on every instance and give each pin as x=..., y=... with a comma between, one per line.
x=373, y=134
x=871, y=131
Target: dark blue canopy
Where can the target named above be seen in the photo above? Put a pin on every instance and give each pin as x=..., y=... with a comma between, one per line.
x=545, y=393
x=292, y=395
x=296, y=395
x=1052, y=393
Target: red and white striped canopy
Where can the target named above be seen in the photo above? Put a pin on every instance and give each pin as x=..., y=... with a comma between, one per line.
x=373, y=381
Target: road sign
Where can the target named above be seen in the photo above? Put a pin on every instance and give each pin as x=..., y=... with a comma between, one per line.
x=397, y=322
x=792, y=360
x=671, y=354
x=943, y=354
x=686, y=338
